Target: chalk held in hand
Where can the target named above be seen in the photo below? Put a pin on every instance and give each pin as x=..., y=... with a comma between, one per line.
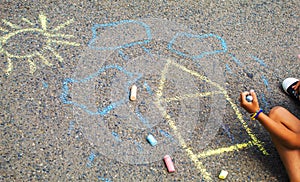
x=249, y=98
x=169, y=163
x=223, y=174
x=133, y=91
x=151, y=140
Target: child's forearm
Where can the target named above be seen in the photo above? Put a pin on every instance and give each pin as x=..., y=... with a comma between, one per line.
x=279, y=130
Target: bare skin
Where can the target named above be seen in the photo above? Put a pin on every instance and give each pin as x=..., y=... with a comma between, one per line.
x=284, y=129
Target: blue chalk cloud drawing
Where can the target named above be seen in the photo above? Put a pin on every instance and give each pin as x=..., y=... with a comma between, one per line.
x=197, y=37
x=144, y=27
x=93, y=44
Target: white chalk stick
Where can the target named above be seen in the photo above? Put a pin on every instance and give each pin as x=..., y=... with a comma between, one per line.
x=133, y=92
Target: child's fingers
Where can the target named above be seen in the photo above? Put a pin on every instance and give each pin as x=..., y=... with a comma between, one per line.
x=243, y=96
x=253, y=94
x=296, y=87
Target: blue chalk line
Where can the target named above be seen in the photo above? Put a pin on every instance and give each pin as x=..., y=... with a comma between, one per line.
x=166, y=134
x=266, y=83
x=116, y=136
x=104, y=179
x=123, y=55
x=199, y=56
x=141, y=118
x=238, y=62
x=114, y=24
x=91, y=159
x=148, y=88
x=45, y=84
x=139, y=146
x=71, y=127
x=261, y=62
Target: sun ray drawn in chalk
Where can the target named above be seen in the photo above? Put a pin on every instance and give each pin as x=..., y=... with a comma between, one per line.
x=46, y=38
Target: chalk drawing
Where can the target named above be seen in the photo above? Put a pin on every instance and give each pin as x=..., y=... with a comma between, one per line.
x=123, y=55
x=228, y=69
x=104, y=179
x=91, y=158
x=166, y=134
x=116, y=136
x=147, y=35
x=261, y=62
x=45, y=84
x=194, y=157
x=190, y=36
x=158, y=92
x=139, y=146
x=50, y=36
x=71, y=127
x=266, y=82
x=148, y=88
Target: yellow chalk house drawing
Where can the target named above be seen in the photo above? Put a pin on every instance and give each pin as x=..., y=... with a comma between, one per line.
x=196, y=157
x=51, y=36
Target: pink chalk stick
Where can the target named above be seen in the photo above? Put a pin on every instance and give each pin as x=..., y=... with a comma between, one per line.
x=169, y=163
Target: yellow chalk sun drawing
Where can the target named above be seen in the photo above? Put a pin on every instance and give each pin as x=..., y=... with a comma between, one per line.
x=42, y=36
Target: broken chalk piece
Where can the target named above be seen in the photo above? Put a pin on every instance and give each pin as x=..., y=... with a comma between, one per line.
x=133, y=91
x=223, y=174
x=151, y=140
x=169, y=164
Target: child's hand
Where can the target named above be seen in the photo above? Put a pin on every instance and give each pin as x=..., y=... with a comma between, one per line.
x=250, y=107
x=297, y=86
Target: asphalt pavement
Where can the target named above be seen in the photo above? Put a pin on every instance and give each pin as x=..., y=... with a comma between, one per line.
x=67, y=68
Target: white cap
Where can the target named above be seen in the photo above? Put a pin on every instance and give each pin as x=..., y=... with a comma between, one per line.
x=288, y=82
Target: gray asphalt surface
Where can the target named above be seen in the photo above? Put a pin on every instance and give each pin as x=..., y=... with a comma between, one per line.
x=41, y=139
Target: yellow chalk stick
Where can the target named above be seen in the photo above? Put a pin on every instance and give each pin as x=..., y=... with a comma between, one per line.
x=223, y=174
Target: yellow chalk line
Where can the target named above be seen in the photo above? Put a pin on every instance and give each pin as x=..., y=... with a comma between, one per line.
x=3, y=30
x=63, y=25
x=9, y=67
x=248, y=130
x=225, y=149
x=172, y=124
x=46, y=62
x=28, y=21
x=60, y=59
x=43, y=20
x=233, y=105
x=11, y=24
x=188, y=96
x=11, y=34
x=32, y=66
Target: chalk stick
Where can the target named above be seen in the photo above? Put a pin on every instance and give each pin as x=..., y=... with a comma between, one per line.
x=133, y=92
x=151, y=140
x=169, y=163
x=249, y=98
x=223, y=174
